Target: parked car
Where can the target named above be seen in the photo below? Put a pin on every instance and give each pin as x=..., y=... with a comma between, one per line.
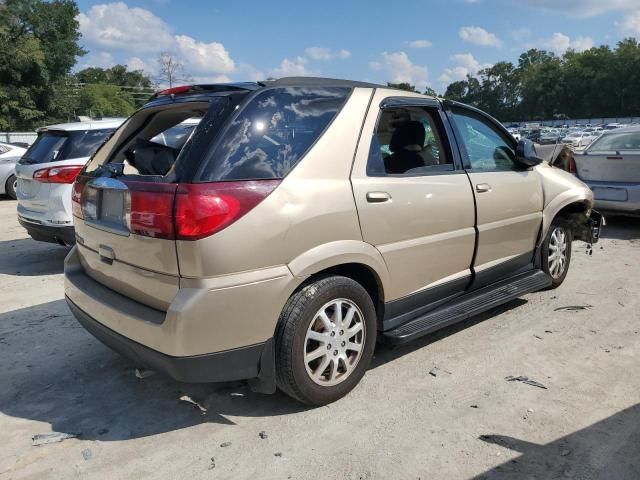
x=577, y=139
x=515, y=134
x=9, y=156
x=549, y=138
x=610, y=166
x=46, y=172
x=304, y=220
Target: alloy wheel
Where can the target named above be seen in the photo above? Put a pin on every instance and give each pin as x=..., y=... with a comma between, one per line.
x=334, y=342
x=557, y=252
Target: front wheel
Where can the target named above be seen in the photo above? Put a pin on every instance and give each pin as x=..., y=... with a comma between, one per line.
x=325, y=339
x=10, y=186
x=556, y=252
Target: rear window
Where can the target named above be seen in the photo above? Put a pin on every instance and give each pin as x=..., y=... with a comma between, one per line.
x=273, y=132
x=55, y=146
x=615, y=142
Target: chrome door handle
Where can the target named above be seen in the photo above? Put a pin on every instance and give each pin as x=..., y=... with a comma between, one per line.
x=378, y=197
x=483, y=187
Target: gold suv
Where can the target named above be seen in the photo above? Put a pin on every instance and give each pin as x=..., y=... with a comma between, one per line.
x=303, y=219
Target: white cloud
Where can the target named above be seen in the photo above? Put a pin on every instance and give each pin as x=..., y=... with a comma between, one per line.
x=581, y=8
x=291, y=68
x=631, y=23
x=399, y=68
x=420, y=44
x=479, y=36
x=560, y=43
x=204, y=57
x=321, y=53
x=464, y=64
x=136, y=63
x=118, y=27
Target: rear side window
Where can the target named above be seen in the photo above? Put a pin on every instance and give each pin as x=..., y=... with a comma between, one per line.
x=56, y=146
x=616, y=142
x=273, y=132
x=408, y=141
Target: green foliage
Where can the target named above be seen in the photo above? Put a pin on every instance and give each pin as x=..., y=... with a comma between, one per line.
x=99, y=100
x=403, y=86
x=599, y=82
x=38, y=47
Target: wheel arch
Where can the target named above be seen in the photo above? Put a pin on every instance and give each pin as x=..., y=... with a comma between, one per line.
x=575, y=206
x=354, y=259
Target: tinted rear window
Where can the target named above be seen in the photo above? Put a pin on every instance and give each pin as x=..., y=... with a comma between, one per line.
x=55, y=146
x=273, y=132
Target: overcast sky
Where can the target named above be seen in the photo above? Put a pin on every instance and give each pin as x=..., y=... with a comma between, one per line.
x=424, y=42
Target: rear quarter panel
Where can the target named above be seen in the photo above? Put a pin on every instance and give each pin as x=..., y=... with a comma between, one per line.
x=313, y=206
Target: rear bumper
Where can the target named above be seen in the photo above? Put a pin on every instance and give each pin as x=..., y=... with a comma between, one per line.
x=47, y=233
x=627, y=197
x=237, y=364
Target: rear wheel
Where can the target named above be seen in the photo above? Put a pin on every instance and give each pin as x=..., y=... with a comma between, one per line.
x=556, y=252
x=325, y=339
x=10, y=186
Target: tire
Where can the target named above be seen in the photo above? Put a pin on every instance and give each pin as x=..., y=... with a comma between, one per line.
x=10, y=187
x=302, y=330
x=559, y=234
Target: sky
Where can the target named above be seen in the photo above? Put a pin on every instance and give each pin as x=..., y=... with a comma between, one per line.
x=423, y=42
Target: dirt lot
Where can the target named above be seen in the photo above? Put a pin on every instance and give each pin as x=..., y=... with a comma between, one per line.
x=401, y=422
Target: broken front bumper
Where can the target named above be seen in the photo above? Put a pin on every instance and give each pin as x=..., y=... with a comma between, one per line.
x=591, y=230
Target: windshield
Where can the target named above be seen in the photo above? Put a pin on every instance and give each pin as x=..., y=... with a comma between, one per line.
x=54, y=146
x=615, y=142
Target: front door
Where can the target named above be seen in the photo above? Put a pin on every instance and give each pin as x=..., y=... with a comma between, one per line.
x=509, y=198
x=414, y=201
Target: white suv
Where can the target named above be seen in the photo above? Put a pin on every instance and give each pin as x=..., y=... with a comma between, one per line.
x=46, y=173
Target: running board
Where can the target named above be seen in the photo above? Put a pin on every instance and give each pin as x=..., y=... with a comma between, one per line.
x=468, y=305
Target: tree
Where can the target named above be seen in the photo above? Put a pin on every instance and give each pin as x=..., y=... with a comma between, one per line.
x=431, y=92
x=99, y=100
x=171, y=70
x=38, y=48
x=403, y=86
x=135, y=82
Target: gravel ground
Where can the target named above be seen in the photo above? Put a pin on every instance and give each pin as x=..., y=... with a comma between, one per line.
x=400, y=422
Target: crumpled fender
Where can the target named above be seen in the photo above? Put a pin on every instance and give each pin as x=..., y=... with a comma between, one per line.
x=560, y=189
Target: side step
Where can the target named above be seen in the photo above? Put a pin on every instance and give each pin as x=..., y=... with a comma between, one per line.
x=468, y=305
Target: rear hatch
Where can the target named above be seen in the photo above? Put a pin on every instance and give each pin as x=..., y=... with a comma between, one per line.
x=123, y=202
x=614, y=157
x=184, y=167
x=60, y=152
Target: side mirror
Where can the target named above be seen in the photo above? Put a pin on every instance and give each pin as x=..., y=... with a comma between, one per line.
x=526, y=153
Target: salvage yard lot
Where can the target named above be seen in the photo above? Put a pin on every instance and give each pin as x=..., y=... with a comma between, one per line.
x=462, y=420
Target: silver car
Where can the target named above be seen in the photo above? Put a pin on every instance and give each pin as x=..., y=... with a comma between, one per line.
x=9, y=156
x=610, y=166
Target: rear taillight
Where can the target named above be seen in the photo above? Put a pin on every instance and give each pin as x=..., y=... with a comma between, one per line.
x=572, y=165
x=76, y=196
x=151, y=209
x=66, y=174
x=202, y=209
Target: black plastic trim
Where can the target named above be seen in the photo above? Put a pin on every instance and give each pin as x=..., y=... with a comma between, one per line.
x=514, y=266
x=46, y=233
x=468, y=305
x=402, y=310
x=237, y=364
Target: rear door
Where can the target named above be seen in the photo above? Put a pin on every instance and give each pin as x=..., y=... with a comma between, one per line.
x=414, y=201
x=123, y=202
x=509, y=199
